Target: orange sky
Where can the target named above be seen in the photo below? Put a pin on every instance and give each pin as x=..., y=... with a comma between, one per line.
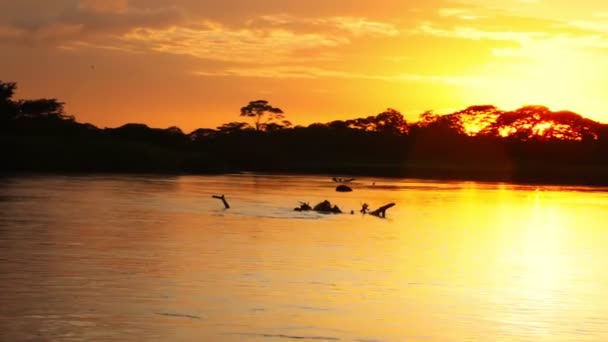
x=194, y=63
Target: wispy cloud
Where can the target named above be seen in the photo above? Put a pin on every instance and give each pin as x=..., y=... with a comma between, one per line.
x=268, y=39
x=78, y=20
x=79, y=45
x=363, y=26
x=111, y=6
x=599, y=26
x=214, y=41
x=357, y=26
x=534, y=40
x=301, y=72
x=459, y=13
x=471, y=33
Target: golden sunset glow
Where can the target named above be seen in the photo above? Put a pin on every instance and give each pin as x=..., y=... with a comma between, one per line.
x=195, y=63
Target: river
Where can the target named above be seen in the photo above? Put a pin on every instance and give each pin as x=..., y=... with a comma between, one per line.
x=156, y=258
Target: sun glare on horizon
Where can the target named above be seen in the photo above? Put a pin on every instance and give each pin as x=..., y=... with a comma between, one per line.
x=552, y=76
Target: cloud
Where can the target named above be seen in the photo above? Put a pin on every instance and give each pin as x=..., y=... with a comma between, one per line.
x=130, y=26
x=305, y=72
x=459, y=13
x=357, y=26
x=502, y=6
x=471, y=33
x=363, y=26
x=31, y=22
x=599, y=26
x=272, y=39
x=111, y=6
x=214, y=41
x=553, y=37
x=79, y=45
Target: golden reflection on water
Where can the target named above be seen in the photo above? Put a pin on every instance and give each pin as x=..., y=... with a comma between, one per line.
x=158, y=259
x=537, y=274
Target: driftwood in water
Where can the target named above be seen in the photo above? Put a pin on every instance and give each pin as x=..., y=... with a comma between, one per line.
x=326, y=207
x=223, y=198
x=364, y=208
x=304, y=206
x=381, y=212
x=323, y=207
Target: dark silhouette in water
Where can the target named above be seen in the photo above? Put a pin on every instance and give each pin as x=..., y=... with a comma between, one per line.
x=223, y=198
x=531, y=144
x=364, y=208
x=343, y=188
x=304, y=206
x=324, y=207
x=381, y=212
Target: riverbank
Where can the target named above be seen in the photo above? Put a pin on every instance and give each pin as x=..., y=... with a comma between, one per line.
x=74, y=155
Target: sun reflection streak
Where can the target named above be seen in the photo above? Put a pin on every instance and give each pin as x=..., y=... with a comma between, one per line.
x=538, y=269
x=542, y=242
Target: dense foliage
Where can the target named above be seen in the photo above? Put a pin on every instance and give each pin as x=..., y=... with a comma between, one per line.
x=529, y=144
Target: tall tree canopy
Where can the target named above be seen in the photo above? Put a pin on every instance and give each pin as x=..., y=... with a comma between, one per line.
x=7, y=90
x=259, y=109
x=8, y=107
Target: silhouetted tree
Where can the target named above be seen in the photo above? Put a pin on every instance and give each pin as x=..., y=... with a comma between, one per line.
x=7, y=90
x=8, y=108
x=260, y=108
x=174, y=130
x=531, y=143
x=540, y=123
x=391, y=121
x=449, y=124
x=475, y=119
x=273, y=126
x=202, y=134
x=233, y=127
x=42, y=108
x=336, y=125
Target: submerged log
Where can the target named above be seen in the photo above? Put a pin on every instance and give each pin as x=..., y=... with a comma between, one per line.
x=223, y=198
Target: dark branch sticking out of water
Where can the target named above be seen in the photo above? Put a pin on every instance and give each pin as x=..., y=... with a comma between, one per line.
x=223, y=198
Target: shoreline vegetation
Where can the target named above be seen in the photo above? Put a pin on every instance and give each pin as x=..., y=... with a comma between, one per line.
x=480, y=143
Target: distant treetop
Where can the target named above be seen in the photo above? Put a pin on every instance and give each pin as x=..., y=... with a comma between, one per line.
x=259, y=109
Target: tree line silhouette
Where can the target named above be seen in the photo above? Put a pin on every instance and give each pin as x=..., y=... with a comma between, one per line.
x=530, y=144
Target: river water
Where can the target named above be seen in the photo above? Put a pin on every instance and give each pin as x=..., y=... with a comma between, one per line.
x=155, y=258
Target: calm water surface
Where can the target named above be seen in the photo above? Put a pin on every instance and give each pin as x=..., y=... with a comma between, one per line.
x=147, y=258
